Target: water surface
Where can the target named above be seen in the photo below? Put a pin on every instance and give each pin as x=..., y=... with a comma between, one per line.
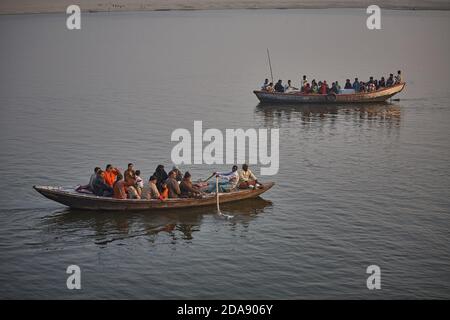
x=357, y=185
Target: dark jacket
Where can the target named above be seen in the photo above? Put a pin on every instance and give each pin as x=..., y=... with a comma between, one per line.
x=100, y=187
x=279, y=87
x=161, y=176
x=390, y=82
x=334, y=89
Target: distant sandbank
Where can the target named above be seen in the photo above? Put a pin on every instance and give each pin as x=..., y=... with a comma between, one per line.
x=48, y=6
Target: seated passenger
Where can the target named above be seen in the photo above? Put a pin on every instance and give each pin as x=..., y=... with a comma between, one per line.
x=178, y=174
x=324, y=88
x=362, y=87
x=398, y=77
x=172, y=185
x=110, y=175
x=390, y=81
x=161, y=176
x=89, y=187
x=307, y=88
x=100, y=187
x=334, y=89
x=338, y=86
x=164, y=191
x=289, y=87
x=279, y=86
x=91, y=180
x=247, y=179
x=377, y=86
x=314, y=87
x=382, y=83
x=270, y=87
x=120, y=188
x=124, y=189
x=153, y=192
x=348, y=84
x=186, y=187
x=132, y=191
x=139, y=182
x=304, y=82
x=356, y=85
x=129, y=174
x=265, y=84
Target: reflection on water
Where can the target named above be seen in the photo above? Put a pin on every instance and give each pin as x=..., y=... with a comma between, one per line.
x=106, y=227
x=275, y=114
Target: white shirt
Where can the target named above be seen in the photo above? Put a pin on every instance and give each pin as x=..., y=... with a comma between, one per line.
x=139, y=182
x=231, y=177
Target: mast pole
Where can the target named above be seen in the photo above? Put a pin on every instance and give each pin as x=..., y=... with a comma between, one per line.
x=270, y=64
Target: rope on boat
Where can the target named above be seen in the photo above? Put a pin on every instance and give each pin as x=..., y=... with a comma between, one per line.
x=217, y=195
x=227, y=216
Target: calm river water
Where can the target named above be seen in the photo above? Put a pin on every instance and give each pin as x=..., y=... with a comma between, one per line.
x=357, y=185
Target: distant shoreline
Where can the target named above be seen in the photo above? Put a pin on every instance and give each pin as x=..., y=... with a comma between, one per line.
x=10, y=7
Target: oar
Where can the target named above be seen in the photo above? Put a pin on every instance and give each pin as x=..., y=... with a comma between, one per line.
x=209, y=177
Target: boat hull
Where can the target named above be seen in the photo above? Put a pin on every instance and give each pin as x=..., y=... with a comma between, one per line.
x=300, y=98
x=75, y=200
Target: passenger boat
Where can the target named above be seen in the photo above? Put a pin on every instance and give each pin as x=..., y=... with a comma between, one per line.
x=297, y=97
x=70, y=197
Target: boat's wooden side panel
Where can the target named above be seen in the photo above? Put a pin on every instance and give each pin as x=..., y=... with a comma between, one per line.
x=90, y=202
x=376, y=96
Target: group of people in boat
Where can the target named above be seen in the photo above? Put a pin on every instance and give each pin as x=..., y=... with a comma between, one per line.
x=111, y=182
x=322, y=87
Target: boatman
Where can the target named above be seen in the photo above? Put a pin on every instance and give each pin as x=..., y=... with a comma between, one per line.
x=229, y=180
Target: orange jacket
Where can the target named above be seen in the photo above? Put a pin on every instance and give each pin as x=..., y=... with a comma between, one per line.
x=110, y=177
x=164, y=194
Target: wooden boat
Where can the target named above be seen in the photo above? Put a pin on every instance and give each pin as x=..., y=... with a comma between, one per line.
x=297, y=97
x=71, y=198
